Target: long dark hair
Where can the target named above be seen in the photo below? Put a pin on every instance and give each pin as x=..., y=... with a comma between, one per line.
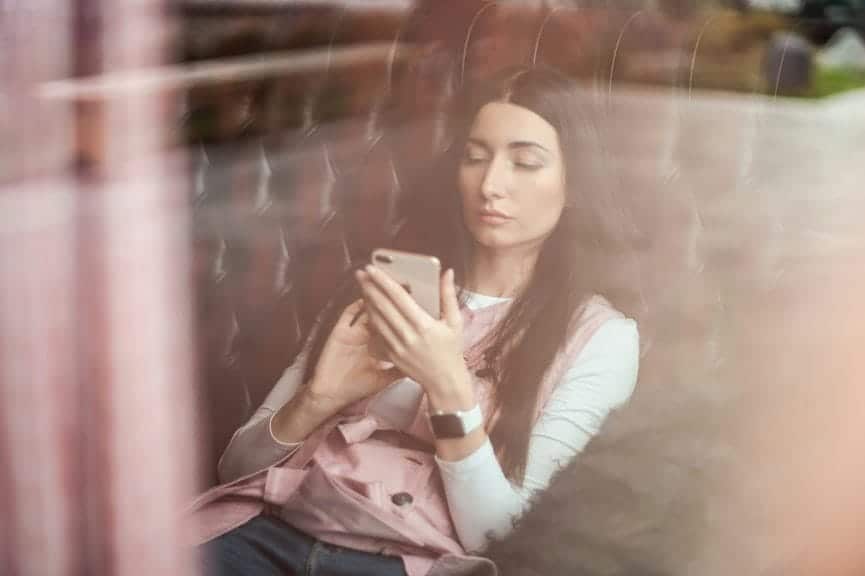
x=526, y=341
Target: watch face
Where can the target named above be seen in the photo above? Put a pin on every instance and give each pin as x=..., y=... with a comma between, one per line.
x=447, y=426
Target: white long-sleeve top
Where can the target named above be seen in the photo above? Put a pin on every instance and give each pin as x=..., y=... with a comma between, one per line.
x=483, y=503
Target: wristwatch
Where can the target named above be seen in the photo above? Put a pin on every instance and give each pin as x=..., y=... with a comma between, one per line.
x=455, y=424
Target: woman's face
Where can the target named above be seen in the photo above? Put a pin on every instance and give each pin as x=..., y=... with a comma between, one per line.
x=511, y=178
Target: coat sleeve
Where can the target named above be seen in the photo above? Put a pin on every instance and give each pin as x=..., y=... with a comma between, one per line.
x=483, y=503
x=253, y=446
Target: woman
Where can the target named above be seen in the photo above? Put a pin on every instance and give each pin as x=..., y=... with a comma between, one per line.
x=339, y=471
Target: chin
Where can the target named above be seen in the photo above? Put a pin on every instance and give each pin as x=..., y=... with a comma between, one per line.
x=491, y=239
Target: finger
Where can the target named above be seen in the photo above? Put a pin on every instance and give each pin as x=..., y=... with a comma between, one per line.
x=395, y=373
x=388, y=371
x=377, y=301
x=377, y=350
x=385, y=365
x=449, y=304
x=386, y=335
x=351, y=312
x=400, y=298
x=361, y=323
x=357, y=312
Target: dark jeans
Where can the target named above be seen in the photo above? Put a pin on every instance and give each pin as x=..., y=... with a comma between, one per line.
x=267, y=546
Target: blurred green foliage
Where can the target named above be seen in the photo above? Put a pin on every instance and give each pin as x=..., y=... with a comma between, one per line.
x=829, y=81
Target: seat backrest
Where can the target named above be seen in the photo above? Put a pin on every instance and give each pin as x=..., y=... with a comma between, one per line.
x=298, y=175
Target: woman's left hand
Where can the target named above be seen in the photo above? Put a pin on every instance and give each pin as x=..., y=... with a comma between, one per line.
x=426, y=349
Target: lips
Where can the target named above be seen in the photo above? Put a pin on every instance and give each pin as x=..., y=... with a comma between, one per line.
x=488, y=213
x=493, y=217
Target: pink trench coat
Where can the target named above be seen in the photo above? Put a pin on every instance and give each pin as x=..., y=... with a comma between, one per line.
x=338, y=485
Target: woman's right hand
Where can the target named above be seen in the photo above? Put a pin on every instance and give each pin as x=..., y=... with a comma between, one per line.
x=347, y=369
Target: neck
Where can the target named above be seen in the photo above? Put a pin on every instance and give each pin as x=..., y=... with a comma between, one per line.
x=497, y=273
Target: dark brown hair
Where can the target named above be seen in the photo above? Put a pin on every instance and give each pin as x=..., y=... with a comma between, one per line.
x=566, y=273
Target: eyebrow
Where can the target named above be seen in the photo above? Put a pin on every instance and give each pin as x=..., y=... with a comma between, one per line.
x=511, y=145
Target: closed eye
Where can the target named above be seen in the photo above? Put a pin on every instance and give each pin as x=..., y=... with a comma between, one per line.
x=529, y=165
x=527, y=159
x=475, y=153
x=473, y=159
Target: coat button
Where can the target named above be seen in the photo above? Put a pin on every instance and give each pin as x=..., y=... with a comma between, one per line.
x=401, y=498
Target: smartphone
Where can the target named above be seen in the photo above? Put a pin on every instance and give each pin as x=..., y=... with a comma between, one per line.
x=419, y=274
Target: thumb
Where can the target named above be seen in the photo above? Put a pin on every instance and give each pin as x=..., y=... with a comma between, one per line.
x=352, y=313
x=449, y=305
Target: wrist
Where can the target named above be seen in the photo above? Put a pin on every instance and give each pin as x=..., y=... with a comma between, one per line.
x=301, y=415
x=452, y=393
x=312, y=400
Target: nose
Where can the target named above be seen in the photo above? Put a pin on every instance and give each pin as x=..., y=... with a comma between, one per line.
x=496, y=179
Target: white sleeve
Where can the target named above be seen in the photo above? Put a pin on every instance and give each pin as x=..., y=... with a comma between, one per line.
x=253, y=446
x=483, y=503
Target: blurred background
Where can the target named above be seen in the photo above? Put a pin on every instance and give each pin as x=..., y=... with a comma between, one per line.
x=183, y=182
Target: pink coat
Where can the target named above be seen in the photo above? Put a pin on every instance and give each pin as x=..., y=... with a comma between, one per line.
x=338, y=485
